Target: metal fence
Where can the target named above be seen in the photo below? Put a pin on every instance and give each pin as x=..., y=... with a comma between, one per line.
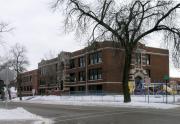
x=102, y=96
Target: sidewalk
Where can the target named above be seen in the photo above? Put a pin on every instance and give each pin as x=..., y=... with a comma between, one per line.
x=19, y=122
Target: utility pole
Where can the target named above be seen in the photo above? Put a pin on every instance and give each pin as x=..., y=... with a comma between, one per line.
x=166, y=78
x=86, y=66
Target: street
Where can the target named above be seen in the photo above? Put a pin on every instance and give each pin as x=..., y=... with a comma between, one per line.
x=62, y=114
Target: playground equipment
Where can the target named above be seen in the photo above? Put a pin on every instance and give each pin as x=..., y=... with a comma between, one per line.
x=152, y=88
x=169, y=90
x=131, y=85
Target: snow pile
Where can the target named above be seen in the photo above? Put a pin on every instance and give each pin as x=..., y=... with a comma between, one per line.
x=21, y=114
x=157, y=102
x=13, y=92
x=13, y=89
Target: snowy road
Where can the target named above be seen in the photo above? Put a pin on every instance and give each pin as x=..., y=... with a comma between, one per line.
x=100, y=115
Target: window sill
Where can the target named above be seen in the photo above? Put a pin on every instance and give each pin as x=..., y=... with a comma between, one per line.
x=95, y=63
x=96, y=80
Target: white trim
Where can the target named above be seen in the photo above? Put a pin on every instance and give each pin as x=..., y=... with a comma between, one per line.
x=161, y=54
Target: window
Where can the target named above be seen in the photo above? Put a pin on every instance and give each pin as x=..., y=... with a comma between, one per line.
x=30, y=78
x=72, y=63
x=81, y=88
x=147, y=59
x=91, y=75
x=95, y=74
x=56, y=67
x=91, y=59
x=93, y=88
x=99, y=57
x=72, y=77
x=95, y=58
x=99, y=73
x=138, y=58
x=42, y=82
x=30, y=87
x=43, y=71
x=25, y=79
x=82, y=76
x=148, y=71
x=81, y=62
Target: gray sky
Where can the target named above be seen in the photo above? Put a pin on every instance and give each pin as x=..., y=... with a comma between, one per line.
x=39, y=29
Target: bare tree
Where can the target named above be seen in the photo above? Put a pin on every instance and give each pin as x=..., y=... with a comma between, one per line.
x=19, y=62
x=126, y=24
x=4, y=28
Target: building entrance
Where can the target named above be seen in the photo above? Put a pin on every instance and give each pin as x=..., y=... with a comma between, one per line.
x=138, y=85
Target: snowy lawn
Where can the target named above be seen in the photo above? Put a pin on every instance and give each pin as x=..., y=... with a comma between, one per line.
x=21, y=114
x=138, y=101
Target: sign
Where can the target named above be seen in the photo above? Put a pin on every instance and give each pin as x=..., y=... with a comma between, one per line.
x=147, y=80
x=166, y=77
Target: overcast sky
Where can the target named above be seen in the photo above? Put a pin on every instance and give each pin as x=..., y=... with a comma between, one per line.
x=39, y=29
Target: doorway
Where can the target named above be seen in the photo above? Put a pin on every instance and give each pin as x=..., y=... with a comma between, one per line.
x=138, y=84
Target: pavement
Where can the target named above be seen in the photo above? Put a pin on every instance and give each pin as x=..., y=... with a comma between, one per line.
x=17, y=122
x=63, y=114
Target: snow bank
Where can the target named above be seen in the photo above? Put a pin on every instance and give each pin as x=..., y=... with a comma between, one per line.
x=21, y=114
x=157, y=102
x=13, y=92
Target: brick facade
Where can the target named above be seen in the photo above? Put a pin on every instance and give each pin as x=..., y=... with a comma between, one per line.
x=111, y=65
x=100, y=68
x=29, y=81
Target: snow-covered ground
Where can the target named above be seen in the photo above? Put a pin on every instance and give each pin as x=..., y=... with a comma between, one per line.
x=157, y=102
x=19, y=114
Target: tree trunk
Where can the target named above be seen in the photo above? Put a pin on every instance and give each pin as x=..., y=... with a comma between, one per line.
x=127, y=64
x=2, y=94
x=19, y=87
x=9, y=93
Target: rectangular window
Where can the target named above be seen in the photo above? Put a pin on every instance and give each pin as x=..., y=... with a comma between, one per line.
x=81, y=88
x=30, y=78
x=42, y=82
x=82, y=76
x=72, y=77
x=138, y=58
x=147, y=59
x=91, y=59
x=91, y=74
x=72, y=63
x=93, y=88
x=99, y=57
x=99, y=73
x=95, y=74
x=81, y=62
x=56, y=67
x=43, y=71
x=95, y=58
x=148, y=71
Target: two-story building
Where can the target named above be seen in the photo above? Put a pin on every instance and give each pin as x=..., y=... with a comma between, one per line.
x=100, y=68
x=52, y=74
x=29, y=81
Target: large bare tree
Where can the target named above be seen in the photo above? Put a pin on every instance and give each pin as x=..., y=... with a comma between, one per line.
x=19, y=62
x=4, y=28
x=125, y=23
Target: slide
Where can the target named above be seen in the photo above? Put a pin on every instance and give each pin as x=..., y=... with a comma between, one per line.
x=169, y=90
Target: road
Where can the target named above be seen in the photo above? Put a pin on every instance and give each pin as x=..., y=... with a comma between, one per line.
x=63, y=114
